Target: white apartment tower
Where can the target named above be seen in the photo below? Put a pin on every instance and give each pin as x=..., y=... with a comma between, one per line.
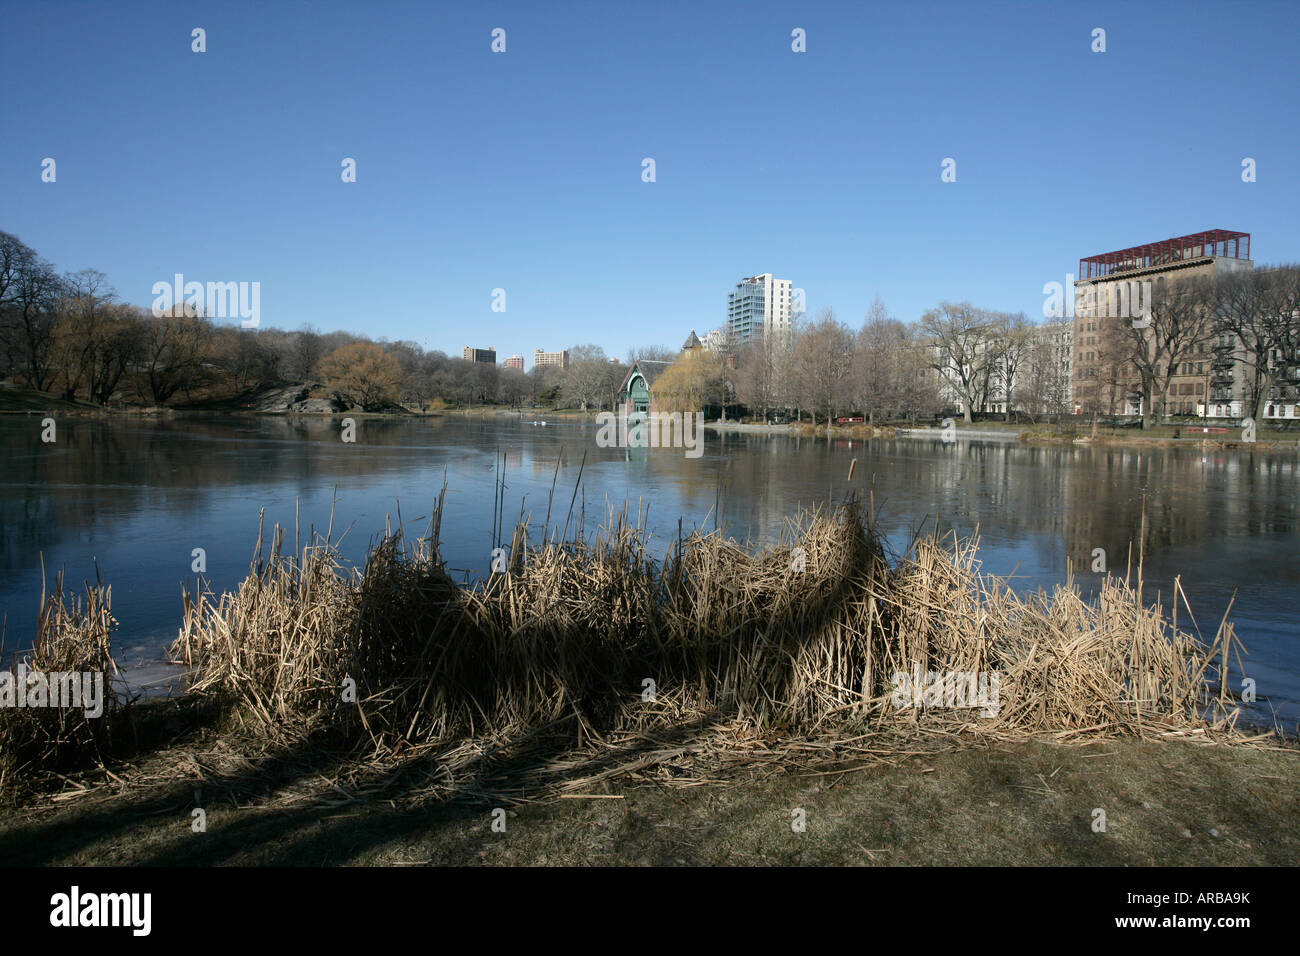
x=759, y=307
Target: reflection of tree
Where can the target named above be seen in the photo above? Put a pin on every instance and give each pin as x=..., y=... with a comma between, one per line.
x=127, y=464
x=1065, y=501
x=1189, y=497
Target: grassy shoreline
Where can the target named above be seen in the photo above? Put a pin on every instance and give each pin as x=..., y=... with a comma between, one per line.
x=527, y=693
x=1011, y=803
x=15, y=401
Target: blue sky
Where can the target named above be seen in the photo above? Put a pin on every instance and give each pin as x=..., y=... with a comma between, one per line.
x=522, y=170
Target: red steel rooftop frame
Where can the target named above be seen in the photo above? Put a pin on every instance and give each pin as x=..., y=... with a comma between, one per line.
x=1214, y=242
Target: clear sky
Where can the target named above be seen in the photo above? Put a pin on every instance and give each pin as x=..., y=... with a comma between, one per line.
x=522, y=170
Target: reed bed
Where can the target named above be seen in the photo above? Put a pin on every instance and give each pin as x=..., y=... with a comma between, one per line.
x=588, y=659
x=73, y=635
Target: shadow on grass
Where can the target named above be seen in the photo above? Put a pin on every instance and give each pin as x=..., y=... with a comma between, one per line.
x=246, y=810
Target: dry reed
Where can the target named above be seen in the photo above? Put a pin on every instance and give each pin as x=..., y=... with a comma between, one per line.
x=750, y=651
x=73, y=636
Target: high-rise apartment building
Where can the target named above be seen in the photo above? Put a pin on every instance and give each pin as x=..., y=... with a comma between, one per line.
x=760, y=307
x=487, y=356
x=555, y=359
x=515, y=362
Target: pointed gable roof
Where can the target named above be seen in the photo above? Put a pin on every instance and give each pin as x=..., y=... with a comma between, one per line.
x=649, y=370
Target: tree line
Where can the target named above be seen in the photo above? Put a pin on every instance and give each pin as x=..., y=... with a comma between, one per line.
x=886, y=369
x=1243, y=326
x=70, y=335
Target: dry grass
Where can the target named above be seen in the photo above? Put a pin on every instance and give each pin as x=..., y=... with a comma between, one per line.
x=544, y=667
x=72, y=635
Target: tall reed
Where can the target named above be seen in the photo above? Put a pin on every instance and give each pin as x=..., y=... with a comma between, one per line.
x=592, y=637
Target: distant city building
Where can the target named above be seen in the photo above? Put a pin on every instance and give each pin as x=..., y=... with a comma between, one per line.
x=1108, y=295
x=1056, y=340
x=487, y=356
x=554, y=359
x=716, y=340
x=758, y=308
x=515, y=362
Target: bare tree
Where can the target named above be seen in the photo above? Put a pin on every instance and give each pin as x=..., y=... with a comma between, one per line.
x=363, y=374
x=1261, y=309
x=878, y=372
x=456, y=380
x=755, y=377
x=485, y=376
x=587, y=380
x=1177, y=326
x=1043, y=382
x=963, y=338
x=544, y=383
x=307, y=351
x=422, y=381
x=918, y=382
x=651, y=353
x=83, y=313
x=724, y=344
x=823, y=355
x=1014, y=334
x=29, y=293
x=15, y=256
x=173, y=348
x=512, y=386
x=117, y=347
x=250, y=358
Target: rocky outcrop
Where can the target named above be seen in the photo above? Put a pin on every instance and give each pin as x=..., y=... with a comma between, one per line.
x=294, y=399
x=278, y=398
x=316, y=406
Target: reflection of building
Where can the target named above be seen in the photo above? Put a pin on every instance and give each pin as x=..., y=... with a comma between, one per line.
x=542, y=464
x=515, y=362
x=487, y=356
x=1110, y=294
x=1098, y=517
x=555, y=359
x=759, y=307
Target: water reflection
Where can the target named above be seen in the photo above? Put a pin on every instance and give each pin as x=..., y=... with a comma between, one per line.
x=136, y=496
